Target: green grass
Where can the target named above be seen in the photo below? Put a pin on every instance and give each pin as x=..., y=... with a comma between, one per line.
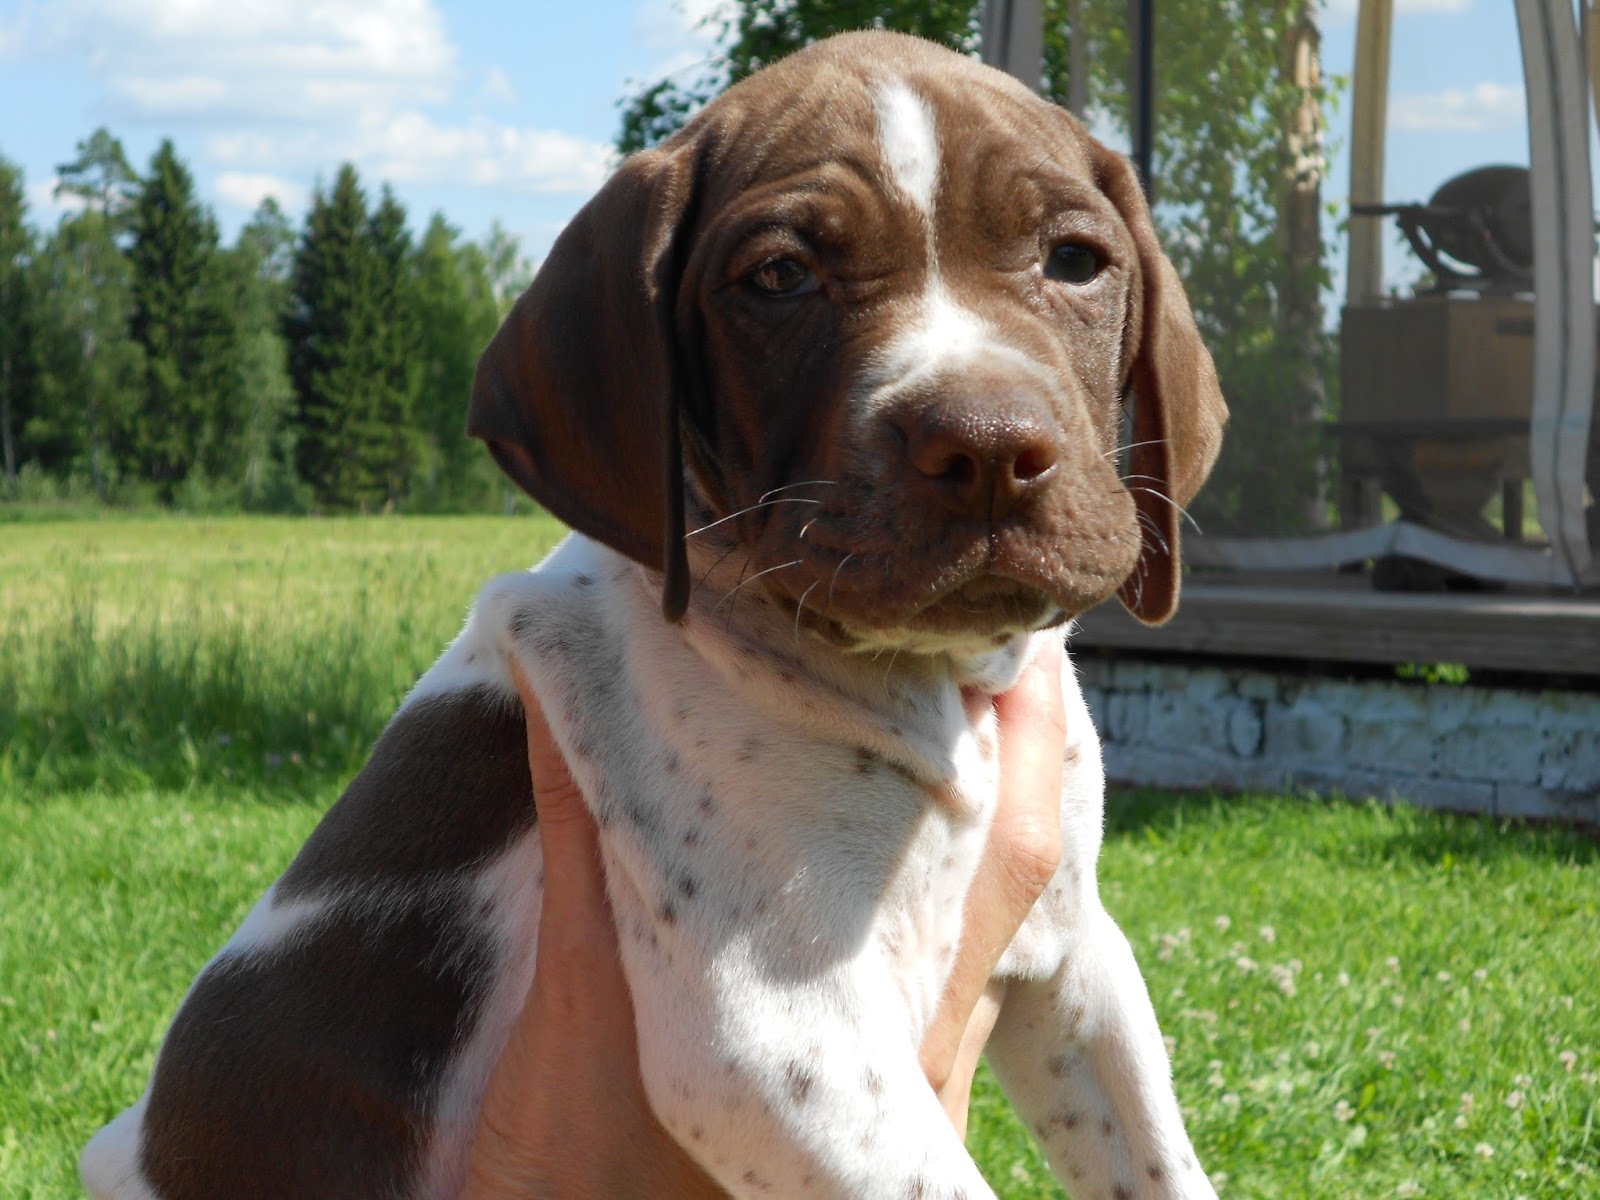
x=180, y=699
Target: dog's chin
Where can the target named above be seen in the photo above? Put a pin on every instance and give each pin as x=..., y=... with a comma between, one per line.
x=971, y=619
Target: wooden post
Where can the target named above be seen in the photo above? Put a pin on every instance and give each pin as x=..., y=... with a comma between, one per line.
x=1141, y=90
x=1368, y=118
x=1077, y=59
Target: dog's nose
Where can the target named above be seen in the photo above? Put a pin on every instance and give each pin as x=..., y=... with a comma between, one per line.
x=979, y=461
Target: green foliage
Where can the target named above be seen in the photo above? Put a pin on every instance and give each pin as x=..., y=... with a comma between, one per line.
x=183, y=319
x=261, y=458
x=332, y=327
x=458, y=313
x=1449, y=674
x=101, y=177
x=18, y=319
x=90, y=368
x=756, y=33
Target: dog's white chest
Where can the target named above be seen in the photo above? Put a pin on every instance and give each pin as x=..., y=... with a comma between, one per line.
x=794, y=822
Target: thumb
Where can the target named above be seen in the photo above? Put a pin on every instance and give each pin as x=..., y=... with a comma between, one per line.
x=569, y=840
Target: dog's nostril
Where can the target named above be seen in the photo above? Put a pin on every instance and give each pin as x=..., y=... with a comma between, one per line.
x=1032, y=462
x=961, y=471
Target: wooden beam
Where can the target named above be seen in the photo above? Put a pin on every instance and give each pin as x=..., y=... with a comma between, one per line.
x=1554, y=635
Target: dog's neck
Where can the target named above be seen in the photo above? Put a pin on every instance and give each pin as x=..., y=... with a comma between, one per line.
x=916, y=710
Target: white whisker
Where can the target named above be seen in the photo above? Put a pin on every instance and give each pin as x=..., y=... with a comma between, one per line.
x=828, y=608
x=1182, y=512
x=802, y=483
x=749, y=509
x=792, y=563
x=801, y=607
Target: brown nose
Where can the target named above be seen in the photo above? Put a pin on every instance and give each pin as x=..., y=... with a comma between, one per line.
x=979, y=461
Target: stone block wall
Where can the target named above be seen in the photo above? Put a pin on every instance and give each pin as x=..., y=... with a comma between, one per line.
x=1505, y=752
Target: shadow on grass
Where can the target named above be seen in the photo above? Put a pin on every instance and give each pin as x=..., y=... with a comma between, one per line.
x=1359, y=832
x=175, y=703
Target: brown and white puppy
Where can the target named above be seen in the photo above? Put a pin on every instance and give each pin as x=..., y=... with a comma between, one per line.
x=869, y=325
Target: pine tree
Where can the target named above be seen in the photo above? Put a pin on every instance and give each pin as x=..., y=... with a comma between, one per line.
x=388, y=439
x=330, y=327
x=184, y=323
x=101, y=177
x=17, y=320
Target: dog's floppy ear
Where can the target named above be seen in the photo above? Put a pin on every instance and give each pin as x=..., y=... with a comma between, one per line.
x=1178, y=410
x=578, y=393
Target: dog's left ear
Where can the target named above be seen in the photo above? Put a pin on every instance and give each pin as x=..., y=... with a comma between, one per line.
x=1178, y=410
x=579, y=393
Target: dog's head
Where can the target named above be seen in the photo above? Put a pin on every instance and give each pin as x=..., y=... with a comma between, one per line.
x=883, y=308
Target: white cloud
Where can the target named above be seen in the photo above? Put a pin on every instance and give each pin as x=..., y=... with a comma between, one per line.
x=42, y=199
x=1485, y=107
x=193, y=58
x=411, y=146
x=278, y=90
x=1344, y=10
x=248, y=189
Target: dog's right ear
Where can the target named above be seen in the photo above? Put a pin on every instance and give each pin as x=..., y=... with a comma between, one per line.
x=577, y=395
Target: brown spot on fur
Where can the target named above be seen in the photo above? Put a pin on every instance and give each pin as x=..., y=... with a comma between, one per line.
x=447, y=786
x=800, y=1080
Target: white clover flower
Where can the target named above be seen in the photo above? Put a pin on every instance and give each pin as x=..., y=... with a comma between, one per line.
x=1342, y=1111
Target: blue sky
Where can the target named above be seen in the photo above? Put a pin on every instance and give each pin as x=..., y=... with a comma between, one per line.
x=487, y=110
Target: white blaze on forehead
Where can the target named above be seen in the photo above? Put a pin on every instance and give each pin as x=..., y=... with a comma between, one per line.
x=908, y=140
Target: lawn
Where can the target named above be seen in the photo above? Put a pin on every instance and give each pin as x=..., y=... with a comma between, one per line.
x=1362, y=1002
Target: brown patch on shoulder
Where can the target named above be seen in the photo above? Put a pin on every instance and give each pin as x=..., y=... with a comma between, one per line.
x=447, y=787
x=309, y=1071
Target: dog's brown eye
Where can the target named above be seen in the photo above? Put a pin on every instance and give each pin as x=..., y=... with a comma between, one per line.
x=783, y=277
x=1072, y=262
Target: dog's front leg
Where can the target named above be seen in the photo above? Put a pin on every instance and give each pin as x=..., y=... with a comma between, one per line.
x=1081, y=1057
x=787, y=1083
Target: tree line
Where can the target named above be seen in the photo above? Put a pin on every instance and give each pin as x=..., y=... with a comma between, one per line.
x=325, y=368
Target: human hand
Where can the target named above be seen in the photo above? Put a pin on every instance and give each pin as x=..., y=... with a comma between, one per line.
x=566, y=1114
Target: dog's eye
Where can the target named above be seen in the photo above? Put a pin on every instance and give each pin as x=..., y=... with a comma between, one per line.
x=1073, y=262
x=783, y=277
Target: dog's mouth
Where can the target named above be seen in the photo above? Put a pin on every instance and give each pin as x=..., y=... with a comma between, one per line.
x=987, y=605
x=975, y=608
